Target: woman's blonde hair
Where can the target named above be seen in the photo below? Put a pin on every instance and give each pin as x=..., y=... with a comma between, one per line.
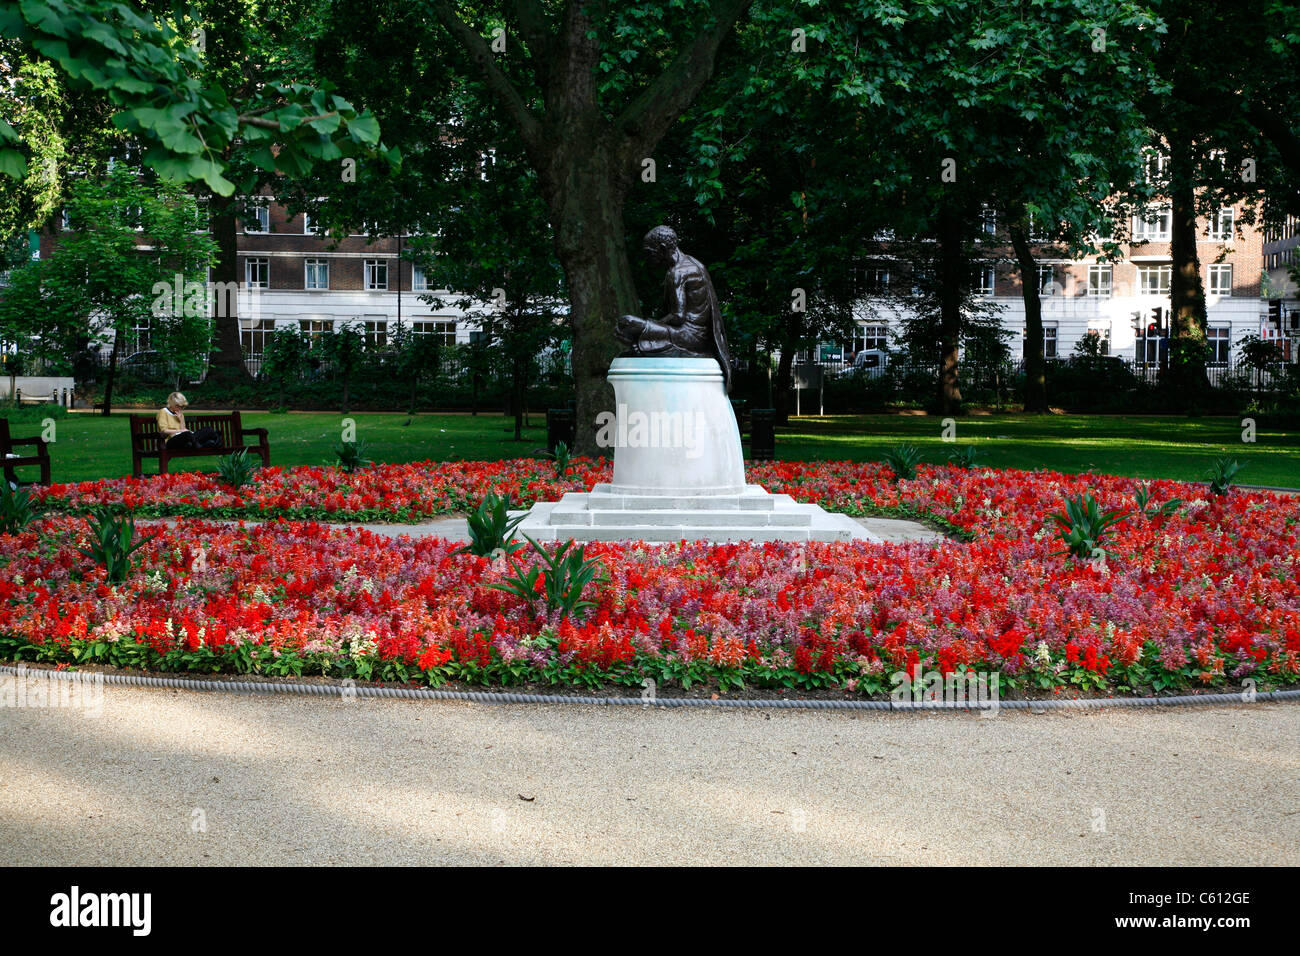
x=177, y=399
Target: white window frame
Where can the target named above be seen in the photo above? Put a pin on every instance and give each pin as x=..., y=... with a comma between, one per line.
x=253, y=339
x=987, y=281
x=1047, y=280
x=370, y=275
x=319, y=263
x=262, y=216
x=436, y=326
x=249, y=268
x=1215, y=284
x=315, y=328
x=1164, y=273
x=1100, y=271
x=1153, y=225
x=375, y=332
x=1216, y=336
x=419, y=280
x=1223, y=225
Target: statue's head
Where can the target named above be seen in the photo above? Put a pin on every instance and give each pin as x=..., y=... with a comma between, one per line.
x=660, y=243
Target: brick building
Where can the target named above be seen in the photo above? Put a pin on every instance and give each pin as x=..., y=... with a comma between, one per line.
x=1115, y=300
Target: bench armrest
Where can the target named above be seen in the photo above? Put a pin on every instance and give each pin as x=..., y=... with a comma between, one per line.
x=261, y=433
x=35, y=440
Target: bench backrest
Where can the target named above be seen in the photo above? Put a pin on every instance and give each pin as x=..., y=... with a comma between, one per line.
x=4, y=436
x=146, y=437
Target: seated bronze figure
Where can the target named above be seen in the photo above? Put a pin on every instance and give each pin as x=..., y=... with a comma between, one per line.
x=692, y=326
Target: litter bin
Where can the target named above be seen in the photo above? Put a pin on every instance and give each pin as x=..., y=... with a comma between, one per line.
x=561, y=426
x=762, y=434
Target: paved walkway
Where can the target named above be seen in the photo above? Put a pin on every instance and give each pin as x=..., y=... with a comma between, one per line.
x=184, y=778
x=888, y=529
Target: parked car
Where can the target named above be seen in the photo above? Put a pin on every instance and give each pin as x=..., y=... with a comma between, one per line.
x=147, y=366
x=150, y=366
x=869, y=363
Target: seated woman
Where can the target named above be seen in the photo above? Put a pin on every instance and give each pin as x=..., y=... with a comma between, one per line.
x=171, y=425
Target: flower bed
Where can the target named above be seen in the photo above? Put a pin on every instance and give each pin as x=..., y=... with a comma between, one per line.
x=1205, y=598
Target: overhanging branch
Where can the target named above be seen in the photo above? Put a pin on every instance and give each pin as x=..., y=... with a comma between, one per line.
x=478, y=51
x=648, y=117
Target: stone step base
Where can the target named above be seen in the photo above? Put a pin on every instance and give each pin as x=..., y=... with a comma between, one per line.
x=786, y=520
x=606, y=497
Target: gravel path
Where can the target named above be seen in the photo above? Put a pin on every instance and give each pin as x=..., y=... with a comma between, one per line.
x=171, y=777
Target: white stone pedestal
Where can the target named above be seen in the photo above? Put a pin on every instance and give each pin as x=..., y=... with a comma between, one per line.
x=679, y=471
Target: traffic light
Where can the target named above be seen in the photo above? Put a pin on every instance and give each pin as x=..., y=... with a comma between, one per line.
x=1152, y=330
x=1137, y=321
x=1157, y=324
x=1275, y=313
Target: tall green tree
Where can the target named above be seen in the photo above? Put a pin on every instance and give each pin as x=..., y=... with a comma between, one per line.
x=100, y=282
x=587, y=90
x=208, y=92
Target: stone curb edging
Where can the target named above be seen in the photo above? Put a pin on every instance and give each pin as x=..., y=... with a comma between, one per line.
x=346, y=691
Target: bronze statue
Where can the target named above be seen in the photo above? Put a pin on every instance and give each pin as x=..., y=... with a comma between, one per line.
x=692, y=326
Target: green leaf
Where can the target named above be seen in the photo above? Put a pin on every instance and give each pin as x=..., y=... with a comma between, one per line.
x=13, y=163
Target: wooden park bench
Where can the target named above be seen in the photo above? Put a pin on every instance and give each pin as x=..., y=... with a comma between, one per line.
x=12, y=460
x=147, y=441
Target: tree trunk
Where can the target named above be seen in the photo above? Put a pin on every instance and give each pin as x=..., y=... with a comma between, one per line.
x=112, y=374
x=1035, y=363
x=1187, y=318
x=782, y=401
x=951, y=281
x=227, y=363
x=586, y=202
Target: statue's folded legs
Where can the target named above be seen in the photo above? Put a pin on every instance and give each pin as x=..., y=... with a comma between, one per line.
x=648, y=337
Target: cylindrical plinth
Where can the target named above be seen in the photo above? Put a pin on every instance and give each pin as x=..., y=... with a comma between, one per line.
x=673, y=431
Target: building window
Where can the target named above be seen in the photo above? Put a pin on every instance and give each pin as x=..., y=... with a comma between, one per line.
x=982, y=281
x=989, y=221
x=1220, y=280
x=307, y=228
x=1220, y=344
x=253, y=339
x=870, y=337
x=873, y=280
x=65, y=222
x=883, y=235
x=376, y=333
x=1038, y=230
x=259, y=219
x=1154, y=166
x=1100, y=339
x=1146, y=347
x=1154, y=280
x=446, y=328
x=419, y=281
x=315, y=328
x=1049, y=341
x=139, y=336
x=1046, y=280
x=318, y=274
x=1101, y=280
x=376, y=274
x=1222, y=224
x=1154, y=226
x=257, y=272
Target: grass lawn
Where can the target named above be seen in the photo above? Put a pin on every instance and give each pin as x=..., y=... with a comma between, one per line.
x=1139, y=446
x=91, y=446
